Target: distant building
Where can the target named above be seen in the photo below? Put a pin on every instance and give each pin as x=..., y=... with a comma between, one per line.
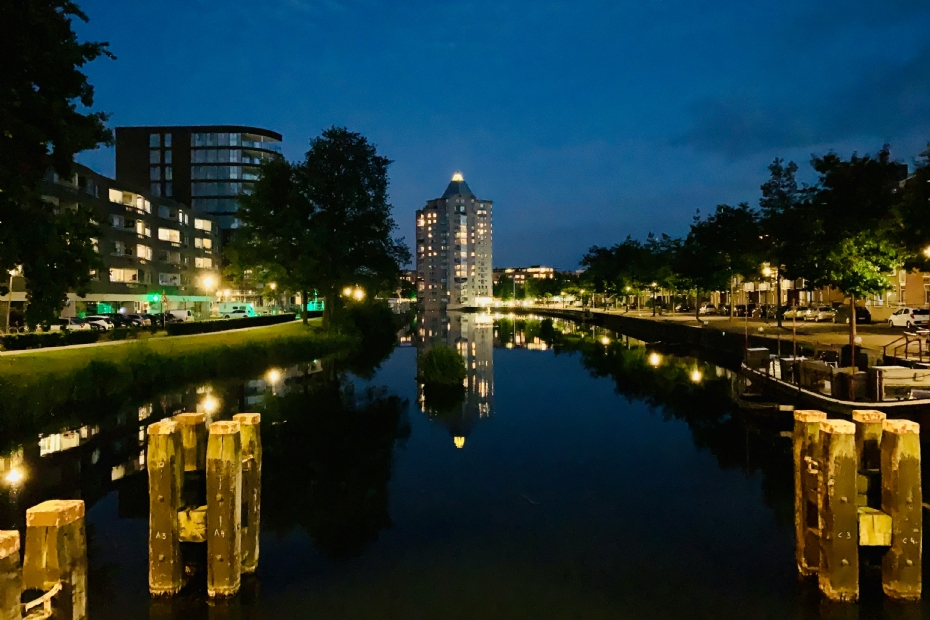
x=454, y=249
x=157, y=253
x=520, y=274
x=205, y=167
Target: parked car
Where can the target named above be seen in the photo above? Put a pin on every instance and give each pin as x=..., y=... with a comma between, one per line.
x=98, y=321
x=69, y=324
x=683, y=308
x=144, y=319
x=909, y=317
x=182, y=315
x=707, y=309
x=863, y=316
x=796, y=313
x=820, y=313
x=239, y=313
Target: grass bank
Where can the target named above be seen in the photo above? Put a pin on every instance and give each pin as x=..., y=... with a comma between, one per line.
x=42, y=389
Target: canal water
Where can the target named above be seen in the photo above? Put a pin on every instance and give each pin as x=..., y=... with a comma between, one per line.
x=578, y=475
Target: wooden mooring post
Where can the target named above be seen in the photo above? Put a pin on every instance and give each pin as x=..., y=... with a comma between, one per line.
x=225, y=462
x=11, y=576
x=56, y=555
x=251, y=487
x=839, y=469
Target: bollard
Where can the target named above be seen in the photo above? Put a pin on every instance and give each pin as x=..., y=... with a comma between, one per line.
x=806, y=434
x=11, y=576
x=902, y=499
x=839, y=541
x=250, y=432
x=165, y=468
x=193, y=440
x=224, y=509
x=56, y=553
x=868, y=452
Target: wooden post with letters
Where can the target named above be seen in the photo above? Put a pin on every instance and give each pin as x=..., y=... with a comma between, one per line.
x=250, y=432
x=224, y=509
x=839, y=541
x=166, y=475
x=903, y=500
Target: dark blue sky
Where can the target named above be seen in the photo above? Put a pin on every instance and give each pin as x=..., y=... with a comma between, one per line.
x=583, y=121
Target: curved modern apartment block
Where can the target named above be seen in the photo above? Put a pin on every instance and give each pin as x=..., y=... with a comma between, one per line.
x=205, y=166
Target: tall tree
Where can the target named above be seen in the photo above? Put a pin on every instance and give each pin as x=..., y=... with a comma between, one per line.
x=44, y=120
x=913, y=214
x=325, y=221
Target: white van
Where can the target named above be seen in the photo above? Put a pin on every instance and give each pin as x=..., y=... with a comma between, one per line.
x=182, y=315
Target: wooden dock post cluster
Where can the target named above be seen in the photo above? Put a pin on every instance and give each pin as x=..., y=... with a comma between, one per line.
x=55, y=563
x=857, y=484
x=230, y=454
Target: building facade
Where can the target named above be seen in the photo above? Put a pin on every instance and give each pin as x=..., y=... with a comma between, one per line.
x=206, y=167
x=158, y=254
x=454, y=241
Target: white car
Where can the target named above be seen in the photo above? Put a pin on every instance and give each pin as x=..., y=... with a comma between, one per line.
x=800, y=313
x=909, y=317
x=821, y=313
x=240, y=313
x=70, y=324
x=96, y=321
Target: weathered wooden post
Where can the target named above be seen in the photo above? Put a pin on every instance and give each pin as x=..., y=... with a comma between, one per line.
x=902, y=499
x=224, y=509
x=868, y=453
x=165, y=463
x=56, y=553
x=806, y=438
x=839, y=541
x=193, y=428
x=11, y=576
x=250, y=432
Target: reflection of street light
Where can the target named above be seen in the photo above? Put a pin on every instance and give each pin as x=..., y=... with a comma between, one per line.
x=459, y=442
x=210, y=404
x=359, y=294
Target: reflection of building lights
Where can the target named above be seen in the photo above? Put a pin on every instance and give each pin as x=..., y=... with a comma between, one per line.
x=605, y=340
x=210, y=404
x=459, y=442
x=655, y=359
x=347, y=291
x=359, y=294
x=273, y=375
x=696, y=375
x=14, y=476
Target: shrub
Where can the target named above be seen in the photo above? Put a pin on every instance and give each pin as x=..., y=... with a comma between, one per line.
x=442, y=365
x=206, y=327
x=39, y=340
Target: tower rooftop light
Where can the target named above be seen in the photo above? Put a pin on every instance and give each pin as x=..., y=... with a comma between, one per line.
x=457, y=177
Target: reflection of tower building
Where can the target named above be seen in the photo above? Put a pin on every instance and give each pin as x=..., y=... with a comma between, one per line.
x=454, y=249
x=472, y=335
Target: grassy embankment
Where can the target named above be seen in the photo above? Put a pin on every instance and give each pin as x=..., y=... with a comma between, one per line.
x=42, y=387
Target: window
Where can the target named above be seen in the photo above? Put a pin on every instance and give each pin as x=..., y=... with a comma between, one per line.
x=164, y=212
x=144, y=252
x=168, y=189
x=142, y=229
x=203, y=242
x=167, y=173
x=154, y=156
x=169, y=279
x=169, y=234
x=119, y=248
x=155, y=189
x=116, y=196
x=154, y=173
x=203, y=263
x=124, y=275
x=116, y=221
x=167, y=157
x=167, y=140
x=200, y=224
x=154, y=140
x=170, y=257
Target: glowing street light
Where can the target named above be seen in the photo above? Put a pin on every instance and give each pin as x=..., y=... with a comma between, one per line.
x=14, y=477
x=210, y=404
x=359, y=294
x=273, y=375
x=605, y=340
x=696, y=375
x=926, y=251
x=655, y=359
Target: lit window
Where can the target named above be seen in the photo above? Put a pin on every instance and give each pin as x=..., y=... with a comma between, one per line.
x=200, y=224
x=144, y=252
x=169, y=234
x=124, y=275
x=203, y=263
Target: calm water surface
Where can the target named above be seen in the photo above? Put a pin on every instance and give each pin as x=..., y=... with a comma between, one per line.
x=580, y=482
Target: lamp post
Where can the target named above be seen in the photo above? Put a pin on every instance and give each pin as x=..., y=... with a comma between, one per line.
x=655, y=291
x=9, y=303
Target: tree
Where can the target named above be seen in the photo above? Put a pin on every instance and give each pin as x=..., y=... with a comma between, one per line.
x=325, y=222
x=44, y=121
x=913, y=213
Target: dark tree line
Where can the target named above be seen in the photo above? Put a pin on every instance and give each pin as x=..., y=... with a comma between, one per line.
x=862, y=219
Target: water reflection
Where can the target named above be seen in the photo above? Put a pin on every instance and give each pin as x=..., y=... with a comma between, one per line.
x=472, y=335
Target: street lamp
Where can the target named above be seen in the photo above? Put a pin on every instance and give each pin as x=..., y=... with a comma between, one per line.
x=654, y=286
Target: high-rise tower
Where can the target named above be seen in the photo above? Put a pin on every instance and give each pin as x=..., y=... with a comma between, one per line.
x=454, y=249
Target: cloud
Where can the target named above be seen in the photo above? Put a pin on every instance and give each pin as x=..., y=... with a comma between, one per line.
x=886, y=102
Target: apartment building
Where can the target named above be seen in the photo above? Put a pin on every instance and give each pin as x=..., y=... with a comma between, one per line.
x=454, y=249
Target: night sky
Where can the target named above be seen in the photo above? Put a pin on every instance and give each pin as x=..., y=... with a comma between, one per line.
x=583, y=121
